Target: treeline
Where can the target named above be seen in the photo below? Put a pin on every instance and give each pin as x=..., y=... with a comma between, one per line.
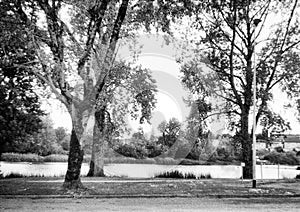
x=45, y=141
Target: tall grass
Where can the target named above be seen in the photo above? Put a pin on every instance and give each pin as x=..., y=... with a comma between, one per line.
x=179, y=175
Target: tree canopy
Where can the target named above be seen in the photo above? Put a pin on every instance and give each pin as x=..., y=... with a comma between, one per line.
x=19, y=103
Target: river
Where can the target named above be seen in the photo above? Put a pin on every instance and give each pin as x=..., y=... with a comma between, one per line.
x=149, y=170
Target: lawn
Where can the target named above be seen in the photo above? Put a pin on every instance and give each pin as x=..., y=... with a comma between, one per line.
x=149, y=187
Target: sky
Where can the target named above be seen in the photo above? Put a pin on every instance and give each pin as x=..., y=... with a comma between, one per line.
x=160, y=59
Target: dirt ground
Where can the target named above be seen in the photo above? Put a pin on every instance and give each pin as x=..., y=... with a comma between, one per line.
x=153, y=204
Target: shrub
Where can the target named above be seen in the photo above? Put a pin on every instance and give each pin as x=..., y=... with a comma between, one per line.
x=262, y=152
x=166, y=161
x=131, y=150
x=17, y=157
x=189, y=162
x=279, y=149
x=56, y=158
x=288, y=158
x=120, y=160
x=148, y=161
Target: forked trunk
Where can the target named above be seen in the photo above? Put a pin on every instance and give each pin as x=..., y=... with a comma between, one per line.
x=72, y=178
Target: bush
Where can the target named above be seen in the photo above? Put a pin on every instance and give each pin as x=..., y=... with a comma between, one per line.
x=17, y=157
x=288, y=158
x=56, y=158
x=131, y=150
x=279, y=149
x=149, y=161
x=120, y=160
x=189, y=162
x=166, y=161
x=262, y=152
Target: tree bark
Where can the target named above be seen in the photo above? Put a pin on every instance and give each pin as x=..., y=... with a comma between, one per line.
x=246, y=145
x=72, y=178
x=98, y=150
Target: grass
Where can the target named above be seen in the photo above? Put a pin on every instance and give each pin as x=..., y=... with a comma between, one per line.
x=18, y=175
x=178, y=175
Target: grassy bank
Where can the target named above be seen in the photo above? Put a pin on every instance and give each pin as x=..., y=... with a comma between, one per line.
x=16, y=157
x=285, y=158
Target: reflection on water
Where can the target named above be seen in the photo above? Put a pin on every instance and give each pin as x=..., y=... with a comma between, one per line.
x=149, y=170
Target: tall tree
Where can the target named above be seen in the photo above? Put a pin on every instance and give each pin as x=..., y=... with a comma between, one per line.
x=64, y=54
x=230, y=31
x=127, y=90
x=19, y=104
x=170, y=131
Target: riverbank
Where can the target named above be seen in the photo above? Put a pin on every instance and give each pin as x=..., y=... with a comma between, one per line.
x=34, y=158
x=35, y=187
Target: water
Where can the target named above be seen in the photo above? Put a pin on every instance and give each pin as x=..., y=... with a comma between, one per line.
x=149, y=170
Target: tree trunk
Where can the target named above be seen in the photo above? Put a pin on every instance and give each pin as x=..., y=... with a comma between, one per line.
x=98, y=150
x=72, y=178
x=246, y=145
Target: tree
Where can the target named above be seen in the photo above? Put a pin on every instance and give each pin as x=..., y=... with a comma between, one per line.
x=44, y=142
x=197, y=131
x=60, y=48
x=60, y=134
x=57, y=62
x=231, y=31
x=127, y=90
x=274, y=122
x=19, y=103
x=170, y=132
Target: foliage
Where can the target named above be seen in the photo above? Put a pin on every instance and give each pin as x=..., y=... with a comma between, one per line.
x=19, y=105
x=132, y=150
x=44, y=142
x=170, y=132
x=61, y=134
x=274, y=122
x=230, y=31
x=288, y=158
x=55, y=158
x=17, y=157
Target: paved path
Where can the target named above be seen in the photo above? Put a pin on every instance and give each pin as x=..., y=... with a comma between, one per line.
x=153, y=204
